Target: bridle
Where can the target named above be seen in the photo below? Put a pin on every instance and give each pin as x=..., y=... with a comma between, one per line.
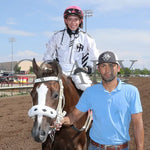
x=59, y=113
x=48, y=111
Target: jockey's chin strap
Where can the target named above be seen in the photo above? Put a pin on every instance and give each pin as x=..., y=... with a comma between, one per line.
x=50, y=112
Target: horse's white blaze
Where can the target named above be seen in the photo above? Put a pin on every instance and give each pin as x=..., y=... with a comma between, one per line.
x=42, y=91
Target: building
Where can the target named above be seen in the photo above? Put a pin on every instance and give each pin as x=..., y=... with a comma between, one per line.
x=24, y=64
x=7, y=66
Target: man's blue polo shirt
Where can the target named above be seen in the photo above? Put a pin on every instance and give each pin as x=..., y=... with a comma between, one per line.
x=111, y=111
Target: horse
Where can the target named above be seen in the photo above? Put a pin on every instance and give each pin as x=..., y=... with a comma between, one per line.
x=53, y=96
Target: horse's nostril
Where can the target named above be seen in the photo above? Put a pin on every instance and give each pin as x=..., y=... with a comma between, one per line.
x=51, y=112
x=42, y=133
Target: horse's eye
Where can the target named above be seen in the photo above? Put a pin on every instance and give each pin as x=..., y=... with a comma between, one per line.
x=55, y=95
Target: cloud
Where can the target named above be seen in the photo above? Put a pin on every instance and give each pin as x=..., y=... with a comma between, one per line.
x=49, y=1
x=20, y=55
x=111, y=5
x=27, y=54
x=147, y=22
x=11, y=21
x=122, y=37
x=47, y=33
x=128, y=44
x=7, y=30
x=58, y=19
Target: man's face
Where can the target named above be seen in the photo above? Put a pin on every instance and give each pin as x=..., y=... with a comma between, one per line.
x=73, y=22
x=108, y=71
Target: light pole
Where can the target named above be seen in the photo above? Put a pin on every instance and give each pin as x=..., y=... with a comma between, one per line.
x=11, y=40
x=87, y=13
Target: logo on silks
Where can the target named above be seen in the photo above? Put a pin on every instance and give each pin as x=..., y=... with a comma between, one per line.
x=106, y=57
x=80, y=47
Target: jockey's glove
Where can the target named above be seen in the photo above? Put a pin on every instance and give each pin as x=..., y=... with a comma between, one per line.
x=86, y=69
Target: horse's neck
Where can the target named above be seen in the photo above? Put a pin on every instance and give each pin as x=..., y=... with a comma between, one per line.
x=78, y=90
x=71, y=94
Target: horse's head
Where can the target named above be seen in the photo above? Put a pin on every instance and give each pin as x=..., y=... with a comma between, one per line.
x=45, y=96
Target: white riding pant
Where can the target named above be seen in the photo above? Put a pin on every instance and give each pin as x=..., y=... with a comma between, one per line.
x=81, y=80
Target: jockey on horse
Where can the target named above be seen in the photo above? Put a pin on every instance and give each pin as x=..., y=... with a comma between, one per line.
x=74, y=49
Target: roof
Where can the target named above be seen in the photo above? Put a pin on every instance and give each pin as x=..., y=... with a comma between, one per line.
x=25, y=65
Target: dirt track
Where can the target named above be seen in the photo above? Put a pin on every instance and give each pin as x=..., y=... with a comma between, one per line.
x=15, y=125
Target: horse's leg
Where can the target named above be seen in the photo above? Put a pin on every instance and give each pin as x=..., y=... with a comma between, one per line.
x=81, y=141
x=82, y=147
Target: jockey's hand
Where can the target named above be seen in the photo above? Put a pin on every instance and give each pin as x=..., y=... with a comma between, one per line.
x=86, y=69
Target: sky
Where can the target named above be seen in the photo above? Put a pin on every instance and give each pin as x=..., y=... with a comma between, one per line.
x=116, y=25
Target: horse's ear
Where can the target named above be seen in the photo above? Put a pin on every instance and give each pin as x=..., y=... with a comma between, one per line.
x=36, y=69
x=59, y=69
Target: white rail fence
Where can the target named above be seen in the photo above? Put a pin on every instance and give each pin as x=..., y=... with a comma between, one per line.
x=23, y=85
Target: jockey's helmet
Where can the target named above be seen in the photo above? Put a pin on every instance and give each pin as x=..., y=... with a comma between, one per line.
x=74, y=10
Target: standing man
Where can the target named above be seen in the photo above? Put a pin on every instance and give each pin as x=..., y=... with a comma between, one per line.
x=74, y=49
x=114, y=104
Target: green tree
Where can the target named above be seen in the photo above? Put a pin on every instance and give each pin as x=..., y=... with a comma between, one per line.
x=17, y=69
x=127, y=72
x=121, y=72
x=145, y=71
x=136, y=71
x=31, y=69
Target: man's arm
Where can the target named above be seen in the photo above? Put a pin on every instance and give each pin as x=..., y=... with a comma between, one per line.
x=74, y=116
x=138, y=130
x=70, y=118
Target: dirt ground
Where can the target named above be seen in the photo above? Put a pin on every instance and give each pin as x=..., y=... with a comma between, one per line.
x=15, y=125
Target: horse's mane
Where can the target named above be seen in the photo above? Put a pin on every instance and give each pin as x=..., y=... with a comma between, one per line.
x=56, y=70
x=52, y=69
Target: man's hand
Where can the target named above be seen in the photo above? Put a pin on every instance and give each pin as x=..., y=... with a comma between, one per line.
x=68, y=120
x=65, y=121
x=57, y=126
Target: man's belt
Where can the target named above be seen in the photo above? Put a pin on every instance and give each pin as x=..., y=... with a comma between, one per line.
x=110, y=147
